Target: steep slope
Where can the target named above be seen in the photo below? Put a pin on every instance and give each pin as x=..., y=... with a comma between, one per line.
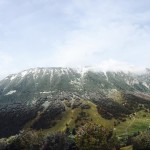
x=33, y=83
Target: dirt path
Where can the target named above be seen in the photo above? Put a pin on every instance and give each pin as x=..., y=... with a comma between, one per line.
x=126, y=129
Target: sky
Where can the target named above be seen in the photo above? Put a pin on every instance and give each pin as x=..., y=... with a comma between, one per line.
x=74, y=33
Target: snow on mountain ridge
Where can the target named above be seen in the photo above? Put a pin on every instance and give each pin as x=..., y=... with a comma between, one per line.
x=60, y=71
x=44, y=80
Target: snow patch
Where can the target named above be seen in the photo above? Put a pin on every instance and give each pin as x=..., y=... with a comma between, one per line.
x=13, y=77
x=24, y=73
x=135, y=82
x=46, y=104
x=145, y=84
x=11, y=92
x=34, y=101
x=127, y=82
x=45, y=92
x=51, y=75
x=84, y=70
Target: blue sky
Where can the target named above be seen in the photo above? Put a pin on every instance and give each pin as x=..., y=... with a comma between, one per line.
x=73, y=33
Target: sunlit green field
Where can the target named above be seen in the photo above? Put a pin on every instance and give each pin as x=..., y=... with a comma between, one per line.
x=137, y=123
x=70, y=116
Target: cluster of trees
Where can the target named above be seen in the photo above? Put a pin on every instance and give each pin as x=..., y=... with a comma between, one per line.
x=109, y=109
x=13, y=117
x=47, y=118
x=82, y=119
x=134, y=102
x=95, y=137
x=141, y=141
x=88, y=137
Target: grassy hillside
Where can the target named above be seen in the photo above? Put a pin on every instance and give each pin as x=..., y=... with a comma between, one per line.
x=74, y=117
x=70, y=116
x=138, y=122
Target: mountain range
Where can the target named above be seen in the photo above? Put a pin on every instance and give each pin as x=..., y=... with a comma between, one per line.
x=37, y=98
x=33, y=83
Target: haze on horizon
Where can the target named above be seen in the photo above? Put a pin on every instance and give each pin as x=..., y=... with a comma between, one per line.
x=74, y=33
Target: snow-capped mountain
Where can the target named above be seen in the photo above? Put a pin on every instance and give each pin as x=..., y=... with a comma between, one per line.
x=30, y=84
x=37, y=97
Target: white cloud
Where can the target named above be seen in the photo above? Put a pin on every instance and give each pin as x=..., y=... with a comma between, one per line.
x=76, y=33
x=113, y=65
x=76, y=49
x=114, y=40
x=117, y=34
